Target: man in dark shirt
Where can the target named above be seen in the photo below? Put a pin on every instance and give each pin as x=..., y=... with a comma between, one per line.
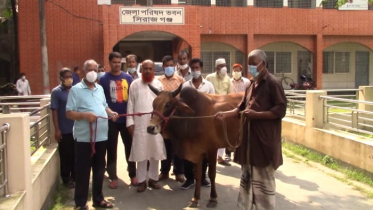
x=116, y=84
x=64, y=127
x=263, y=107
x=76, y=78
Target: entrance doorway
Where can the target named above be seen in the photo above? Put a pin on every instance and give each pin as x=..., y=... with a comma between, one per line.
x=362, y=69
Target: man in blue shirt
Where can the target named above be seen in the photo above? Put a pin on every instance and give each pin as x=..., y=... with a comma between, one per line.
x=64, y=127
x=116, y=88
x=86, y=103
x=76, y=73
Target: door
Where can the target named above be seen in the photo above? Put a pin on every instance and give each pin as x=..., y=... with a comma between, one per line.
x=304, y=59
x=362, y=69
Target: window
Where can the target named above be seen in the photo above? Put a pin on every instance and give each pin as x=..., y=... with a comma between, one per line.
x=329, y=4
x=269, y=3
x=336, y=62
x=209, y=59
x=196, y=2
x=231, y=3
x=301, y=4
x=370, y=6
x=240, y=58
x=279, y=62
x=142, y=2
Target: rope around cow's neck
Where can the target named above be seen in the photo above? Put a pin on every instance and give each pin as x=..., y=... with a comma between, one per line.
x=239, y=140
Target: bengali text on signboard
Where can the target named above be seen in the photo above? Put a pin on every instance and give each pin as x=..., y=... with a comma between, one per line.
x=152, y=15
x=355, y=5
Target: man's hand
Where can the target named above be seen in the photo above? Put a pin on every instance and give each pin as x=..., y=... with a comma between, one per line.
x=131, y=129
x=90, y=117
x=114, y=116
x=220, y=115
x=58, y=135
x=251, y=114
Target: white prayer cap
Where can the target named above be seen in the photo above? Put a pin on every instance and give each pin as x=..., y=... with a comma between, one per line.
x=220, y=61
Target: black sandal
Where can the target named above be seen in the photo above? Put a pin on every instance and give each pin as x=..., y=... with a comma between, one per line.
x=103, y=204
x=81, y=208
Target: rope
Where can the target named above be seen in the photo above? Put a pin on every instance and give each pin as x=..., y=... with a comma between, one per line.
x=165, y=119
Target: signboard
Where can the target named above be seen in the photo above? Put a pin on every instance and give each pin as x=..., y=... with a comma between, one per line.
x=355, y=5
x=152, y=15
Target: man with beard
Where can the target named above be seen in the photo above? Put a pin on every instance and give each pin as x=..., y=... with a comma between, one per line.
x=145, y=147
x=116, y=85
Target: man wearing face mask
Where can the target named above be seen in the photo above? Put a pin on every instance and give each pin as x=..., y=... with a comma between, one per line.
x=23, y=86
x=64, y=127
x=183, y=68
x=239, y=82
x=223, y=86
x=116, y=85
x=101, y=72
x=202, y=85
x=170, y=82
x=263, y=106
x=131, y=62
x=85, y=104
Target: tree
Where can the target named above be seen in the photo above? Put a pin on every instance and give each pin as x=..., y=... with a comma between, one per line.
x=342, y=2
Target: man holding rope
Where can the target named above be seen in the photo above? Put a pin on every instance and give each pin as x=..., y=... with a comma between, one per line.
x=86, y=105
x=263, y=107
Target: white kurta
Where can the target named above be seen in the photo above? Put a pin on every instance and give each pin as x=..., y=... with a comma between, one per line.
x=144, y=145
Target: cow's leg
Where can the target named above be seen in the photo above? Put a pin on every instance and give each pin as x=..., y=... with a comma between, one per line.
x=213, y=202
x=197, y=191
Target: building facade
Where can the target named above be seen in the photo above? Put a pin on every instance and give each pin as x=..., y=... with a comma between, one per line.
x=300, y=36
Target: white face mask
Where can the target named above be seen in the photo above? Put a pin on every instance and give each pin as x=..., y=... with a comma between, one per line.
x=237, y=75
x=223, y=71
x=91, y=76
x=131, y=70
x=196, y=74
x=182, y=67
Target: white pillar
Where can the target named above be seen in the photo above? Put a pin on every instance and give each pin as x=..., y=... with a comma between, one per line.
x=285, y=3
x=318, y=3
x=213, y=2
x=314, y=108
x=104, y=2
x=250, y=2
x=174, y=1
x=18, y=154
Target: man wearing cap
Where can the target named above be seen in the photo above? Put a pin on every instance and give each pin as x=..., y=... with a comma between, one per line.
x=239, y=82
x=222, y=84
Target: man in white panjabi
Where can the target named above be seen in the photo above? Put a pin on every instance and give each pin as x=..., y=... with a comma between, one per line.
x=145, y=147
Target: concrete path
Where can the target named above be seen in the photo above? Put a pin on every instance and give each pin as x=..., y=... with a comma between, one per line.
x=299, y=186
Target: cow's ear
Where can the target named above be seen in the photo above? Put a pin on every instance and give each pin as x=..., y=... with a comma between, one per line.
x=184, y=108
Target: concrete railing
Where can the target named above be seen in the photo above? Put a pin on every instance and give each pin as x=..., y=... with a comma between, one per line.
x=317, y=133
x=31, y=181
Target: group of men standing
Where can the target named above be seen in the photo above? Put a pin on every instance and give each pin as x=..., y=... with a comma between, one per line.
x=89, y=116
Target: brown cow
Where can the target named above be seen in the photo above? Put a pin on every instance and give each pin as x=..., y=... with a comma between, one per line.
x=193, y=136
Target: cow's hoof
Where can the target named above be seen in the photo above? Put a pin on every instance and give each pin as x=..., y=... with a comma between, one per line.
x=193, y=204
x=212, y=204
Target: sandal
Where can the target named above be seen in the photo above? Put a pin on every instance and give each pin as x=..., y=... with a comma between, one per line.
x=70, y=185
x=113, y=184
x=103, y=204
x=141, y=187
x=81, y=208
x=154, y=184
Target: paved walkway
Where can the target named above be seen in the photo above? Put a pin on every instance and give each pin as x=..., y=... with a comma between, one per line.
x=299, y=186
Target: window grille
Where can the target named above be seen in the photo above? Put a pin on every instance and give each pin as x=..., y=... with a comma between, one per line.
x=142, y=2
x=329, y=4
x=300, y=3
x=283, y=62
x=342, y=62
x=231, y=3
x=196, y=2
x=209, y=59
x=240, y=58
x=279, y=62
x=269, y=3
x=370, y=6
x=328, y=63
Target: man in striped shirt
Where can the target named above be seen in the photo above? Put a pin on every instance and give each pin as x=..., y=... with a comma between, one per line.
x=239, y=82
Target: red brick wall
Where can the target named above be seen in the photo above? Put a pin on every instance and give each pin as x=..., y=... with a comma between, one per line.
x=73, y=40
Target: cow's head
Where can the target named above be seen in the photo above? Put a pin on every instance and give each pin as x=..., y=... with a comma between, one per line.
x=165, y=104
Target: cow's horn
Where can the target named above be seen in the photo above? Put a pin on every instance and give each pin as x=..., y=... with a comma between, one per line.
x=177, y=91
x=155, y=90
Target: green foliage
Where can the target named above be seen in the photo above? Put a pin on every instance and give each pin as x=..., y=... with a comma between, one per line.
x=341, y=2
